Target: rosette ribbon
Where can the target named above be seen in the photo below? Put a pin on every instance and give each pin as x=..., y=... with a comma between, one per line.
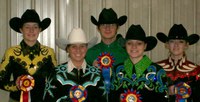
x=78, y=93
x=182, y=91
x=106, y=62
x=130, y=96
x=25, y=84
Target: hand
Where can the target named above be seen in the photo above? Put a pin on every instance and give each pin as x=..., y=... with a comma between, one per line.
x=95, y=63
x=171, y=90
x=17, y=82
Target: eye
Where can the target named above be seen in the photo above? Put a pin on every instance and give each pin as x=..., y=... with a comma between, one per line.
x=182, y=41
x=83, y=46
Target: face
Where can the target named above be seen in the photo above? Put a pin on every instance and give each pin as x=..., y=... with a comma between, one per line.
x=77, y=52
x=177, y=47
x=108, y=31
x=30, y=31
x=135, y=48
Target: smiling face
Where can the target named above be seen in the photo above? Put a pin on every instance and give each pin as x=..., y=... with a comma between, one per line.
x=77, y=52
x=135, y=49
x=108, y=31
x=30, y=31
x=177, y=47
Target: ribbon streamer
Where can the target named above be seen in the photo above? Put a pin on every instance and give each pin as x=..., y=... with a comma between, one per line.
x=26, y=83
x=106, y=62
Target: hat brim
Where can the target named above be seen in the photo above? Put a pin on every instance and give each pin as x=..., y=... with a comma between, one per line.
x=16, y=23
x=45, y=23
x=193, y=38
x=151, y=43
x=94, y=21
x=120, y=21
x=62, y=43
x=162, y=37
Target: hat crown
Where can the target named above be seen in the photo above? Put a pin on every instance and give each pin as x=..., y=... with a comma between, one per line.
x=108, y=16
x=77, y=35
x=177, y=32
x=30, y=15
x=135, y=32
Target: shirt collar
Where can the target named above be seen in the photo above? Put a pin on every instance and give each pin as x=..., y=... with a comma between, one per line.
x=113, y=44
x=71, y=66
x=140, y=67
x=35, y=49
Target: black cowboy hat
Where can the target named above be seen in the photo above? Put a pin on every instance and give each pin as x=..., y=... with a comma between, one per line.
x=108, y=16
x=178, y=32
x=30, y=15
x=135, y=32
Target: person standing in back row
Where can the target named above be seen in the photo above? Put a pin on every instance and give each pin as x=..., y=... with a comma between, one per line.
x=108, y=25
x=184, y=74
x=109, y=52
x=29, y=62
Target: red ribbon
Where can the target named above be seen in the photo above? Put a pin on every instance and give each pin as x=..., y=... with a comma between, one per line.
x=26, y=83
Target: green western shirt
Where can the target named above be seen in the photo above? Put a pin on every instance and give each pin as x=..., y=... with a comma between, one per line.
x=115, y=49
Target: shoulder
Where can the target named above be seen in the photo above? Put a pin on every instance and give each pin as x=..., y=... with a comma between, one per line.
x=95, y=47
x=163, y=62
x=13, y=49
x=46, y=48
x=62, y=65
x=93, y=69
x=191, y=63
x=157, y=66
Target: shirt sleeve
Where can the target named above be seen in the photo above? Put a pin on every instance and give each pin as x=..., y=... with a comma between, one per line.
x=5, y=73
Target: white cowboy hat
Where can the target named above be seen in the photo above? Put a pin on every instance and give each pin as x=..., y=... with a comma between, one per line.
x=77, y=35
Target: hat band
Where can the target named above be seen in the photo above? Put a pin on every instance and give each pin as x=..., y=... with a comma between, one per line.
x=177, y=37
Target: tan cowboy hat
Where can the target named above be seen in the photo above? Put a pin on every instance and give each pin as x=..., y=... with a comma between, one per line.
x=77, y=35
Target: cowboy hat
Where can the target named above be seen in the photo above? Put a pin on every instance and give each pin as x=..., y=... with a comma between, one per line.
x=108, y=16
x=77, y=35
x=30, y=15
x=135, y=32
x=178, y=32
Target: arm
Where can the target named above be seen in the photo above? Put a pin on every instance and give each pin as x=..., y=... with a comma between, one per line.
x=5, y=73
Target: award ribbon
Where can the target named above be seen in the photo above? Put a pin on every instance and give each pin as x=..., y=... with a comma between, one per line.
x=130, y=96
x=26, y=83
x=106, y=62
x=182, y=91
x=78, y=93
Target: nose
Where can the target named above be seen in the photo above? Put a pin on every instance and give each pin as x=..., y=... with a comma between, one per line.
x=176, y=43
x=78, y=49
x=31, y=29
x=133, y=45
